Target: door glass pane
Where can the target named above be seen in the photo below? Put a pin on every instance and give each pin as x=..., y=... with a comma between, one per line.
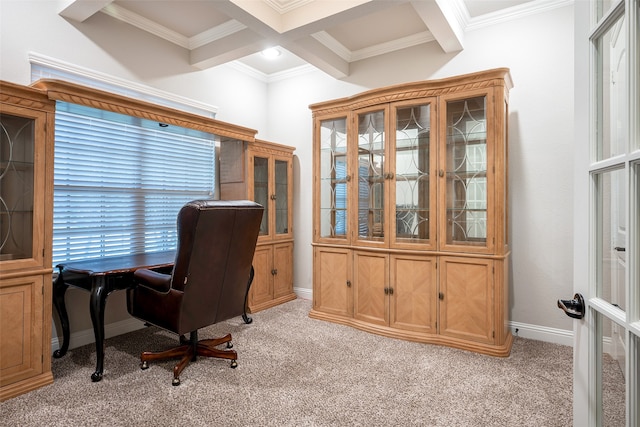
x=261, y=189
x=603, y=6
x=612, y=92
x=282, y=197
x=612, y=365
x=17, y=136
x=611, y=259
x=370, y=175
x=333, y=178
x=466, y=172
x=412, y=174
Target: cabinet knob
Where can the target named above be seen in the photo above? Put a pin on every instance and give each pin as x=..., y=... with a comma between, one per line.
x=274, y=271
x=273, y=197
x=440, y=295
x=348, y=178
x=441, y=172
x=348, y=283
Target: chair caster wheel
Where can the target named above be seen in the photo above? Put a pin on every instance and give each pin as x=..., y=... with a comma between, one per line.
x=175, y=382
x=229, y=344
x=144, y=365
x=234, y=364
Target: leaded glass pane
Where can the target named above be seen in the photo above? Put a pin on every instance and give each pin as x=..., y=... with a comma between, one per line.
x=17, y=136
x=261, y=190
x=412, y=172
x=371, y=175
x=282, y=197
x=466, y=171
x=333, y=178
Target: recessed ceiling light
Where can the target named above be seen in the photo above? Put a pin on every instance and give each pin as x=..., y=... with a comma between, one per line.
x=271, y=53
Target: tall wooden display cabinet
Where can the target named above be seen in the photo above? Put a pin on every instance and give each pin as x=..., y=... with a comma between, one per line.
x=263, y=172
x=26, y=191
x=410, y=234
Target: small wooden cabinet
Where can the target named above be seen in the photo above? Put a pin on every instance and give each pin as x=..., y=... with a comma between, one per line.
x=263, y=172
x=26, y=198
x=410, y=211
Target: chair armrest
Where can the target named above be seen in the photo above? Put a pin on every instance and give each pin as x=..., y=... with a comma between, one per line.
x=152, y=279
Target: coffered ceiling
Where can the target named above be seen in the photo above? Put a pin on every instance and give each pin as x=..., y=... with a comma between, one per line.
x=327, y=34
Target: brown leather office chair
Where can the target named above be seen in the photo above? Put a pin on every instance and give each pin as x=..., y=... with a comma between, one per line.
x=208, y=283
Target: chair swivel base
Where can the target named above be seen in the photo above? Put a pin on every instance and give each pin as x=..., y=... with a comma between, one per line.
x=189, y=351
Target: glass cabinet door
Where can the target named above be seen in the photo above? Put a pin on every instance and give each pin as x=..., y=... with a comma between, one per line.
x=370, y=163
x=261, y=190
x=414, y=187
x=334, y=178
x=17, y=172
x=281, y=183
x=465, y=170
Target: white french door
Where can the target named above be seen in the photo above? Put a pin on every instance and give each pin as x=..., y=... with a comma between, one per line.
x=607, y=212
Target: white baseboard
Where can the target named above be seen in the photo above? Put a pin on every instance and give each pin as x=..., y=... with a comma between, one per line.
x=523, y=330
x=80, y=338
x=542, y=333
x=304, y=293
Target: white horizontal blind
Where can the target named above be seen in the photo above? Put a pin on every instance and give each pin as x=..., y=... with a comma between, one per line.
x=119, y=182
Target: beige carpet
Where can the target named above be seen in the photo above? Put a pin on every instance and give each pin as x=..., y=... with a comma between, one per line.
x=297, y=371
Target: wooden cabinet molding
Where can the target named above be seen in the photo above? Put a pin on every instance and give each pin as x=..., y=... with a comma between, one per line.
x=25, y=262
x=410, y=211
x=262, y=171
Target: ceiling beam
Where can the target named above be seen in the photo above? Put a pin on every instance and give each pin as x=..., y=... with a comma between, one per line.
x=441, y=20
x=81, y=10
x=235, y=46
x=320, y=56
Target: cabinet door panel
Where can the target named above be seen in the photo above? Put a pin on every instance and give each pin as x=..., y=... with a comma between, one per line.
x=332, y=193
x=262, y=286
x=467, y=165
x=466, y=303
x=413, y=165
x=370, y=282
x=333, y=291
x=21, y=308
x=260, y=180
x=413, y=302
x=283, y=264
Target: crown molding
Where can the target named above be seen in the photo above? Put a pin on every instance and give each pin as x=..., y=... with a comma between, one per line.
x=516, y=12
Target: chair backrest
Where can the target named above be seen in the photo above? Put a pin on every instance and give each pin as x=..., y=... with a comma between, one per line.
x=216, y=244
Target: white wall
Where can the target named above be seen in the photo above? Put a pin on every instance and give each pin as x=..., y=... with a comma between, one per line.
x=538, y=49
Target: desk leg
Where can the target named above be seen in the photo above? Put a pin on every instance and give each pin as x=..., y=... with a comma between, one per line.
x=246, y=318
x=97, y=303
x=59, y=290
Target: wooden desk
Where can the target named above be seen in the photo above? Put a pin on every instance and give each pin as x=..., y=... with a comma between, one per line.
x=101, y=276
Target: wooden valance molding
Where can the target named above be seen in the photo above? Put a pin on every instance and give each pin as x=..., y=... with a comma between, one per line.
x=415, y=90
x=77, y=94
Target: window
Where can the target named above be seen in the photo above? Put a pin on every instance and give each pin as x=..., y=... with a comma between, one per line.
x=119, y=182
